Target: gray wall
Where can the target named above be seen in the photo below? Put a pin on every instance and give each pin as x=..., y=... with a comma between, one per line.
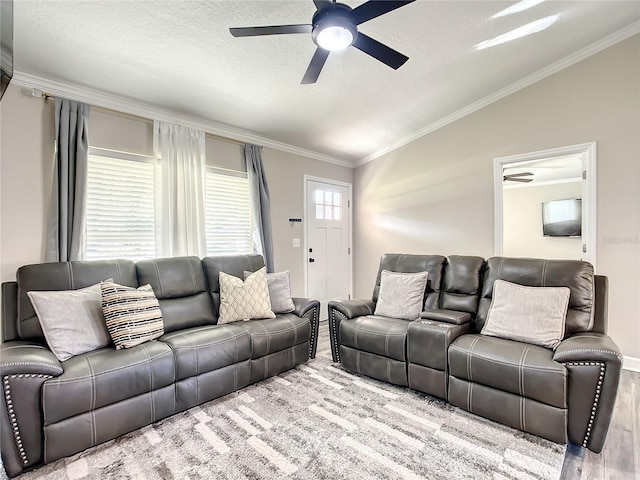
x=26, y=170
x=435, y=195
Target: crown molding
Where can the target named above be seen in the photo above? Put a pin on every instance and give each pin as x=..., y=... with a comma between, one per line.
x=131, y=106
x=566, y=62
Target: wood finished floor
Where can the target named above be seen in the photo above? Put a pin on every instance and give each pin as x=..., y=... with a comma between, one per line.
x=620, y=459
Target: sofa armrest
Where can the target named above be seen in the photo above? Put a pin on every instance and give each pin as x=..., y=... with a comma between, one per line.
x=305, y=307
x=593, y=362
x=448, y=316
x=342, y=310
x=24, y=367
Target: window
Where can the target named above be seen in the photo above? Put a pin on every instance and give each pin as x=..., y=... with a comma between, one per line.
x=328, y=205
x=120, y=211
x=119, y=220
x=227, y=212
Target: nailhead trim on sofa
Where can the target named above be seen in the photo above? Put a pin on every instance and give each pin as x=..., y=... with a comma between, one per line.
x=335, y=332
x=12, y=413
x=596, y=398
x=311, y=314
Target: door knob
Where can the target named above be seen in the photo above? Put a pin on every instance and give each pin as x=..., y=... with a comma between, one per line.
x=311, y=260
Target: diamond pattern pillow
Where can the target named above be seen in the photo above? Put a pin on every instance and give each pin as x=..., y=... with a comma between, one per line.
x=132, y=315
x=244, y=300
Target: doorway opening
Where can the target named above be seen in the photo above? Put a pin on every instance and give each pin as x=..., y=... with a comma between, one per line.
x=559, y=179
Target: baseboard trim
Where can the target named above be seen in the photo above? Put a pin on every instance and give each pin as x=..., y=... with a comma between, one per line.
x=631, y=363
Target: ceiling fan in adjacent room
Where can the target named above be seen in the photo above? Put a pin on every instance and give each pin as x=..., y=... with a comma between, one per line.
x=334, y=27
x=517, y=177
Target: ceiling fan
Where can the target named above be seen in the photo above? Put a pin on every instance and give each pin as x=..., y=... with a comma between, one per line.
x=516, y=177
x=334, y=27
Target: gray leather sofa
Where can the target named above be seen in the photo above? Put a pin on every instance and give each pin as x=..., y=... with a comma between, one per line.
x=51, y=409
x=566, y=395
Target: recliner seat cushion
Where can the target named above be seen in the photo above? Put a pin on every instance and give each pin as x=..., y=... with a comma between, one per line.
x=106, y=376
x=374, y=334
x=203, y=349
x=514, y=367
x=275, y=334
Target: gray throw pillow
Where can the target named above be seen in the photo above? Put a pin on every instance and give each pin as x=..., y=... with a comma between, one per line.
x=401, y=295
x=71, y=320
x=533, y=315
x=279, y=291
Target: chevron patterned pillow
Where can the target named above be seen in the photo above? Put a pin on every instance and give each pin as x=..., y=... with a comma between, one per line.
x=132, y=315
x=244, y=300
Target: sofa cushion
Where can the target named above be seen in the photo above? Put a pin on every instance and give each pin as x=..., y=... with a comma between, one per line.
x=432, y=264
x=401, y=294
x=181, y=288
x=243, y=300
x=275, y=334
x=132, y=315
x=204, y=349
x=533, y=315
x=575, y=274
x=515, y=367
x=72, y=320
x=104, y=377
x=64, y=276
x=383, y=336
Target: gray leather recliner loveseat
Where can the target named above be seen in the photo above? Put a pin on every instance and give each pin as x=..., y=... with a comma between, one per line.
x=564, y=395
x=51, y=409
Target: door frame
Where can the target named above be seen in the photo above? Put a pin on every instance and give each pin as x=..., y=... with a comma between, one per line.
x=337, y=183
x=588, y=150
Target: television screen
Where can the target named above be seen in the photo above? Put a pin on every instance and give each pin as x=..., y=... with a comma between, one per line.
x=6, y=44
x=562, y=218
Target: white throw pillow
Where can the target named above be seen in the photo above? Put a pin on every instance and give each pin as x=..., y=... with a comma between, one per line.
x=279, y=291
x=401, y=295
x=533, y=315
x=244, y=300
x=132, y=315
x=71, y=320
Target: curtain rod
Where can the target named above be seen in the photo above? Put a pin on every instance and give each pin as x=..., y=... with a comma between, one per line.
x=37, y=93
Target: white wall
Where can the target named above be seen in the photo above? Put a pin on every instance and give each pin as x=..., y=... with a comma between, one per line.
x=435, y=195
x=522, y=222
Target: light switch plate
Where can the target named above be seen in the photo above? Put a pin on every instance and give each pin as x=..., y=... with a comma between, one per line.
x=296, y=243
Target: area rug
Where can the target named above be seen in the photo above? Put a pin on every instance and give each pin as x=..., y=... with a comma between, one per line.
x=318, y=422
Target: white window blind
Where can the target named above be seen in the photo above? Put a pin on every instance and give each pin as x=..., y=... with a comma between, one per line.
x=119, y=218
x=227, y=213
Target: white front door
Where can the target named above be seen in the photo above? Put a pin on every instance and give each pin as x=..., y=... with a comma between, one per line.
x=328, y=254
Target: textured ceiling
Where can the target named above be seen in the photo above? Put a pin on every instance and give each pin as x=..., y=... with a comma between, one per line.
x=180, y=55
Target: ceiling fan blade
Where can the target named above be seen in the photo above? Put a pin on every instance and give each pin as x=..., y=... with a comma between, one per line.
x=375, y=8
x=522, y=180
x=379, y=51
x=315, y=67
x=270, y=30
x=523, y=174
x=320, y=4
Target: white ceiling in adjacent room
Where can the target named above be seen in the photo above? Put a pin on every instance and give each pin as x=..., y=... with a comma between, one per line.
x=179, y=55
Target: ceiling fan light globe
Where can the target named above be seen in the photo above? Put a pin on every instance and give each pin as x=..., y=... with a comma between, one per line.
x=334, y=38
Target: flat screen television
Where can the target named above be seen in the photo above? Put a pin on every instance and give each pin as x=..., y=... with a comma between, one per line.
x=6, y=44
x=562, y=218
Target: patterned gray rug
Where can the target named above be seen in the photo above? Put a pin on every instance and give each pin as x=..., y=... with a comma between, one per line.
x=318, y=422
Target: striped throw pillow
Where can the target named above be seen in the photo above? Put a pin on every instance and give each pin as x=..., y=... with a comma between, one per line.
x=132, y=315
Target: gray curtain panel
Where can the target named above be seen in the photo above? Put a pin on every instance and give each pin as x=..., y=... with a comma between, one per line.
x=260, y=204
x=67, y=207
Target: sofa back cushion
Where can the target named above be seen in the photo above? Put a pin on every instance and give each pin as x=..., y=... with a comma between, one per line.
x=230, y=264
x=181, y=289
x=575, y=274
x=64, y=276
x=461, y=286
x=405, y=263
